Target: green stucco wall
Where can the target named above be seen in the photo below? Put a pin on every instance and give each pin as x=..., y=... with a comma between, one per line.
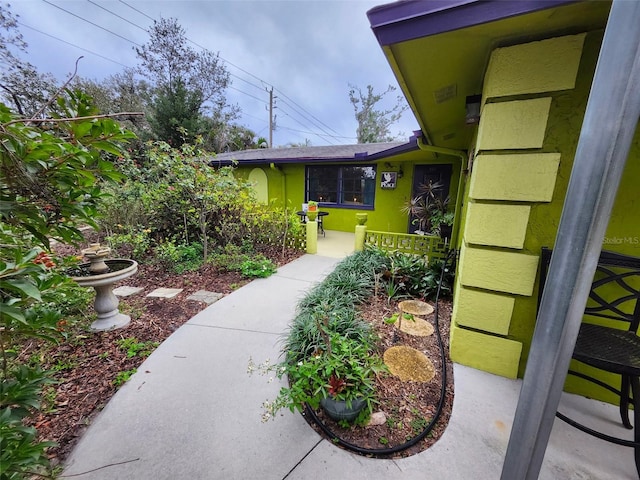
x=517, y=172
x=387, y=213
x=488, y=310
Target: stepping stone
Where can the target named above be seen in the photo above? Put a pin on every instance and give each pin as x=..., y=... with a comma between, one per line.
x=165, y=292
x=125, y=291
x=206, y=297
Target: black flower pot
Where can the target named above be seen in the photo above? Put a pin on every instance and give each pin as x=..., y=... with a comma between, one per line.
x=338, y=410
x=446, y=231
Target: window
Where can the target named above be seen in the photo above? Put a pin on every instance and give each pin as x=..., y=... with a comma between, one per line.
x=341, y=185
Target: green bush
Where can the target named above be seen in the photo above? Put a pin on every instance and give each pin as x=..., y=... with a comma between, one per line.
x=258, y=266
x=50, y=185
x=410, y=275
x=134, y=244
x=230, y=258
x=178, y=257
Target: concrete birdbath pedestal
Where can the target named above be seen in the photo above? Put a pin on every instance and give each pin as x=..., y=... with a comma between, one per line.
x=102, y=274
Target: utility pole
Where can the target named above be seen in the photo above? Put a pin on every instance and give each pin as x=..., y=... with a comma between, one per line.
x=272, y=118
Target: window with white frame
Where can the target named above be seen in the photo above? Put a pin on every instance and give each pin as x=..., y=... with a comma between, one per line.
x=341, y=185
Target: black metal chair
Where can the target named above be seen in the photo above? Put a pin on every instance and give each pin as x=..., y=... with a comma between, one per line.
x=615, y=292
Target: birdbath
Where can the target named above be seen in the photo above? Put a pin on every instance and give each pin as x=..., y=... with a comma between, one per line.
x=102, y=274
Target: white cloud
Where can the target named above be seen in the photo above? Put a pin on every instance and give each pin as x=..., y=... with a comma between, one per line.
x=308, y=50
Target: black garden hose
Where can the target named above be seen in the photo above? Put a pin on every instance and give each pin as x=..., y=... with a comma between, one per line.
x=383, y=452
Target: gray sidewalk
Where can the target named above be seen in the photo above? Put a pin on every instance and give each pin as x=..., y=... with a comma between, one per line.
x=192, y=411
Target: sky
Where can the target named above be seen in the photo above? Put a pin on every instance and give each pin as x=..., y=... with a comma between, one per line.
x=308, y=51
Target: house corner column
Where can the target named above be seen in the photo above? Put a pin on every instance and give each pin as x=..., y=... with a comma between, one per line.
x=511, y=171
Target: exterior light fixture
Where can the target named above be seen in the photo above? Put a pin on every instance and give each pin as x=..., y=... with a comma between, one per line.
x=472, y=105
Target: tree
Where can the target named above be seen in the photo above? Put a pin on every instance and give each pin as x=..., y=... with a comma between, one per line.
x=176, y=118
x=51, y=171
x=188, y=84
x=374, y=125
x=122, y=92
x=20, y=83
x=225, y=137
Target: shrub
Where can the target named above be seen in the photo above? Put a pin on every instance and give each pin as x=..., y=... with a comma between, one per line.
x=134, y=244
x=50, y=181
x=258, y=266
x=179, y=257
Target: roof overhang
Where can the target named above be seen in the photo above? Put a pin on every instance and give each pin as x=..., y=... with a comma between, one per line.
x=361, y=153
x=439, y=50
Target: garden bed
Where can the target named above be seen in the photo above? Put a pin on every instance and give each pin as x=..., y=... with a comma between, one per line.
x=90, y=366
x=408, y=406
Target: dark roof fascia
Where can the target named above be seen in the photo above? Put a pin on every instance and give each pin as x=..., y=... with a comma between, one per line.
x=401, y=21
x=410, y=146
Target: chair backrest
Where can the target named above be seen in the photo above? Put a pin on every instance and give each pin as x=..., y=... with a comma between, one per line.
x=615, y=291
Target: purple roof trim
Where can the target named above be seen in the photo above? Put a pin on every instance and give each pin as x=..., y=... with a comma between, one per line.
x=402, y=21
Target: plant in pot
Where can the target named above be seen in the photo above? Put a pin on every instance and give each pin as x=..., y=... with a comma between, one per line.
x=428, y=210
x=312, y=210
x=442, y=223
x=339, y=376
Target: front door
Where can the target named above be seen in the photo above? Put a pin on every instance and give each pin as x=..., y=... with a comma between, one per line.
x=433, y=174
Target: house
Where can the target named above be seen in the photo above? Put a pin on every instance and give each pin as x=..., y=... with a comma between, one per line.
x=525, y=68
x=376, y=178
x=499, y=89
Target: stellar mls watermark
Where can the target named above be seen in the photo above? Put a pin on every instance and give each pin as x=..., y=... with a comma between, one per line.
x=621, y=241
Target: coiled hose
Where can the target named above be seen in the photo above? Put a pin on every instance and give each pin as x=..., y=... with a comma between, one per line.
x=383, y=452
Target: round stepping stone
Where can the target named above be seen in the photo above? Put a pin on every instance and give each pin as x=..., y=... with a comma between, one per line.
x=409, y=364
x=415, y=307
x=418, y=327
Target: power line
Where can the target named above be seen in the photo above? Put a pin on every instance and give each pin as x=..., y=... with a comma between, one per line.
x=314, y=133
x=297, y=108
x=73, y=45
x=116, y=15
x=139, y=11
x=303, y=109
x=325, y=137
x=307, y=118
x=90, y=22
x=248, y=94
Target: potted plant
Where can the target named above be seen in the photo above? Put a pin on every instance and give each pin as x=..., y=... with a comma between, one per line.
x=442, y=223
x=312, y=210
x=429, y=211
x=340, y=378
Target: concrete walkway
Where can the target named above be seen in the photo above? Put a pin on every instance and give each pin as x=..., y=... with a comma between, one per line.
x=192, y=411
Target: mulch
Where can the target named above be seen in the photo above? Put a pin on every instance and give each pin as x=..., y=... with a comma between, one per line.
x=89, y=365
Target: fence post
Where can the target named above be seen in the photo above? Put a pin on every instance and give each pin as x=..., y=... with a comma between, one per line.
x=361, y=231
x=312, y=237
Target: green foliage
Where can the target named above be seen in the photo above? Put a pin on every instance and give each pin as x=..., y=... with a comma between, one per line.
x=374, y=124
x=124, y=377
x=230, y=258
x=410, y=275
x=429, y=210
x=259, y=267
x=179, y=257
x=50, y=184
x=134, y=348
x=329, y=351
x=346, y=371
x=133, y=244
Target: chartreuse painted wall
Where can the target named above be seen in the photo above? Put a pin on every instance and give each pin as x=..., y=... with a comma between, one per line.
x=286, y=185
x=534, y=100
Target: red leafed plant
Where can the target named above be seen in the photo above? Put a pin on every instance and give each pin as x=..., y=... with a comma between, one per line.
x=336, y=385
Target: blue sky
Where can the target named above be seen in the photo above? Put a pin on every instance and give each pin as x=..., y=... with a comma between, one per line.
x=308, y=50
